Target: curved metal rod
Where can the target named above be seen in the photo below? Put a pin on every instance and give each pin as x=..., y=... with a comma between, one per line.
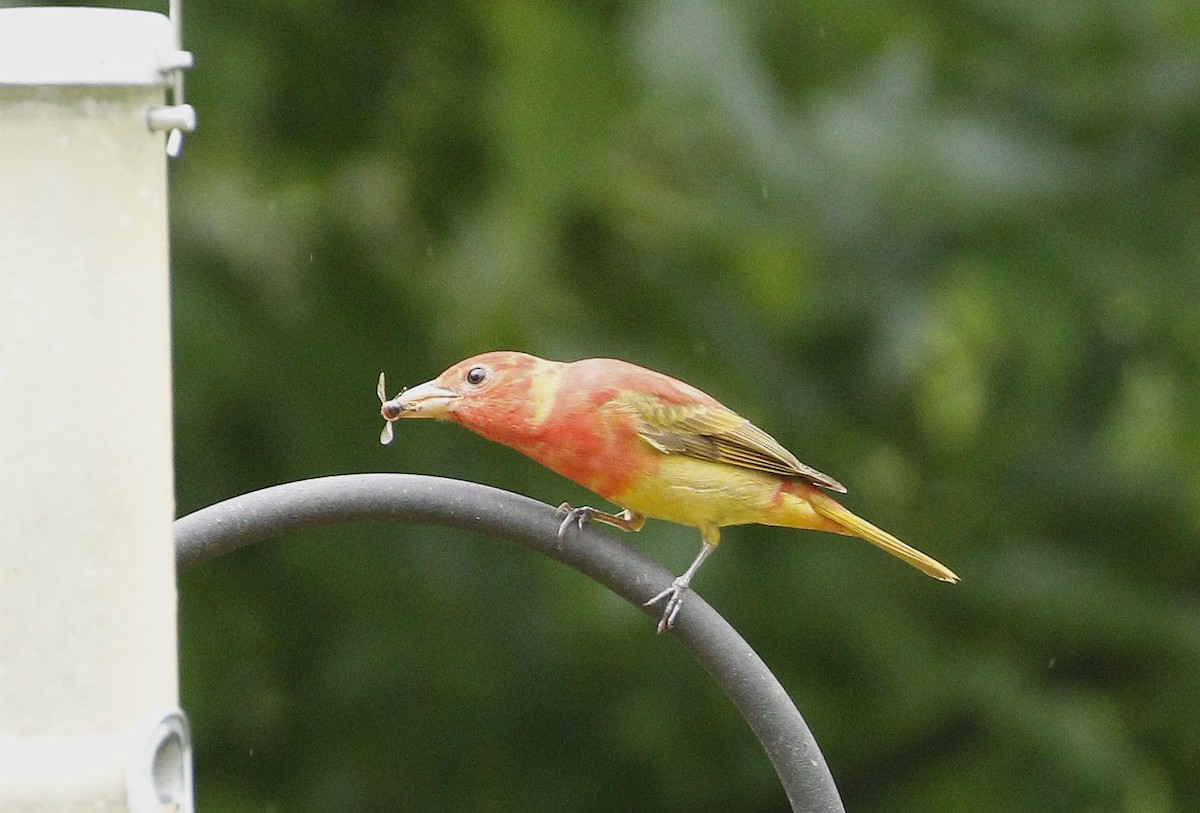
x=260, y=515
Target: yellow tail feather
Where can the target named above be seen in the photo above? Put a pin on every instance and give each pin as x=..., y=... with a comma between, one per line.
x=857, y=526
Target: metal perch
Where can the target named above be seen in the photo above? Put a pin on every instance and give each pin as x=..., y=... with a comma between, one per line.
x=271, y=512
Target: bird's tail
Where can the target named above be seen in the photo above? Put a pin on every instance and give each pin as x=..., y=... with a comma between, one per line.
x=854, y=525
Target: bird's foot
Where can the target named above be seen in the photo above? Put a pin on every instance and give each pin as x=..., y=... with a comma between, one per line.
x=678, y=590
x=674, y=596
x=626, y=520
x=572, y=516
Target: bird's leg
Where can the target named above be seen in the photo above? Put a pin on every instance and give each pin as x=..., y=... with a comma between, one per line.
x=626, y=520
x=674, y=594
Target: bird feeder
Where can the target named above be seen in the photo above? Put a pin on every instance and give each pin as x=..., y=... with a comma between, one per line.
x=89, y=715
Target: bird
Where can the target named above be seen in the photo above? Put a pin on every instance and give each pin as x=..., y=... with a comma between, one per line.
x=651, y=444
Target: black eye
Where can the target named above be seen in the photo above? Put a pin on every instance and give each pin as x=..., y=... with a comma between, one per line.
x=477, y=375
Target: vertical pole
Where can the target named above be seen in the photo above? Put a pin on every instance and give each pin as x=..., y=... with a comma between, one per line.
x=88, y=662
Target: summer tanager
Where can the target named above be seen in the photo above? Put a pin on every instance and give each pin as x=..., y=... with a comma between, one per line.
x=653, y=445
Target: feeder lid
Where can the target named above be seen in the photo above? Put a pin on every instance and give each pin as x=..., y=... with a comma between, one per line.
x=87, y=46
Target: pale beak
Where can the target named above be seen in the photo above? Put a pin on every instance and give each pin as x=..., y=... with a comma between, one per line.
x=426, y=400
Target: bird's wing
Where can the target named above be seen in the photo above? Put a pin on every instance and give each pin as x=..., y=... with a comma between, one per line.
x=717, y=434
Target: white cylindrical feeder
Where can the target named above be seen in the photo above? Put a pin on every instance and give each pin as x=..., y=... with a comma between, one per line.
x=88, y=659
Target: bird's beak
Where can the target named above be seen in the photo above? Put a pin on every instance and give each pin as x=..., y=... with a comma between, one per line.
x=426, y=400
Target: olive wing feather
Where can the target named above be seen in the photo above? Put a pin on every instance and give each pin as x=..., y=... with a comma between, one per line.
x=717, y=434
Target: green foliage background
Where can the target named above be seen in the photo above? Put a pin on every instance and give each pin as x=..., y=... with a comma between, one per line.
x=947, y=252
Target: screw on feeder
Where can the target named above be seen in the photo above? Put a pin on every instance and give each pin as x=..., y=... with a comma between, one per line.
x=178, y=118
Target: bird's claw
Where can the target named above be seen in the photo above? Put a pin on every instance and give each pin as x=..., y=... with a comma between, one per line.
x=674, y=596
x=572, y=516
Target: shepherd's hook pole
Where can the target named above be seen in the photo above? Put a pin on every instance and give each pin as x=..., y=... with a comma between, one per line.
x=741, y=673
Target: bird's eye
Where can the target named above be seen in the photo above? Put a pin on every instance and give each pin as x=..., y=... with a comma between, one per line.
x=477, y=375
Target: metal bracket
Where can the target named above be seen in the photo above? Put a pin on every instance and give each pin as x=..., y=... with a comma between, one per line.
x=158, y=776
x=178, y=118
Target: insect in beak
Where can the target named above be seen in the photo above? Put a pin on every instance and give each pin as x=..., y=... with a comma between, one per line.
x=389, y=409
